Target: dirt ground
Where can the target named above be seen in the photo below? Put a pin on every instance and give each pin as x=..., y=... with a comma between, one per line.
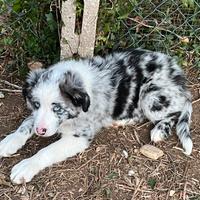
x=103, y=171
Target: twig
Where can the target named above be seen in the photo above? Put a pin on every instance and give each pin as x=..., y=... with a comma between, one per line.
x=154, y=27
x=141, y=126
x=136, y=190
x=137, y=137
x=10, y=84
x=9, y=90
x=185, y=191
x=88, y=162
x=195, y=101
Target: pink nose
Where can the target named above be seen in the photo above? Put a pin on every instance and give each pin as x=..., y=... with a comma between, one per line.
x=41, y=131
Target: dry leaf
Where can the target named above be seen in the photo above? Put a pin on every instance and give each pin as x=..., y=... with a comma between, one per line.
x=185, y=40
x=34, y=65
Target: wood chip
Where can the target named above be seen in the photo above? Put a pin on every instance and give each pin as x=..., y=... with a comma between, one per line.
x=151, y=151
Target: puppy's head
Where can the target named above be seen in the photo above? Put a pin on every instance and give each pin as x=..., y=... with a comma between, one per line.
x=54, y=99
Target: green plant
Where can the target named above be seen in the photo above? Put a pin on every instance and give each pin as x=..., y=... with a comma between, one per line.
x=29, y=32
x=152, y=182
x=154, y=25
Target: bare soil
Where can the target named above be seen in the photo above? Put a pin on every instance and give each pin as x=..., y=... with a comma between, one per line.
x=102, y=171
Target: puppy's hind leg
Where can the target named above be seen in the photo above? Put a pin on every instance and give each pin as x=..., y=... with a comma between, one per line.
x=162, y=129
x=16, y=140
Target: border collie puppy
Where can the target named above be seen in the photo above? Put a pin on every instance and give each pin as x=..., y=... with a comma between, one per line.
x=78, y=98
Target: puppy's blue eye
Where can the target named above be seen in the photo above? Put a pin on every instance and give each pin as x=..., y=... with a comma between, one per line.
x=36, y=104
x=57, y=108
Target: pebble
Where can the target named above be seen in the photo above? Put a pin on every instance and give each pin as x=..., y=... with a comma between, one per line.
x=2, y=95
x=131, y=172
x=125, y=153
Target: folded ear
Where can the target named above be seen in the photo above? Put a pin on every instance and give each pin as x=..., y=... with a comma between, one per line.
x=31, y=81
x=73, y=88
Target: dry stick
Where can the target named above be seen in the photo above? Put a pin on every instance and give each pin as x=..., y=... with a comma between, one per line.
x=184, y=191
x=141, y=126
x=136, y=190
x=10, y=84
x=195, y=101
x=185, y=185
x=88, y=162
x=154, y=27
x=137, y=137
x=8, y=90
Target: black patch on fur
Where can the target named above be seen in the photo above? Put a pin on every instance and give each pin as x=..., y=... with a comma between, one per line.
x=152, y=88
x=163, y=100
x=154, y=57
x=30, y=83
x=156, y=106
x=165, y=127
x=179, y=80
x=119, y=72
x=122, y=91
x=171, y=71
x=133, y=57
x=160, y=103
x=152, y=66
x=184, y=119
x=73, y=89
x=99, y=65
x=75, y=135
x=174, y=116
x=134, y=62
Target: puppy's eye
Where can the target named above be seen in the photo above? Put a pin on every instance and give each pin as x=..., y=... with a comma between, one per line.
x=36, y=104
x=57, y=108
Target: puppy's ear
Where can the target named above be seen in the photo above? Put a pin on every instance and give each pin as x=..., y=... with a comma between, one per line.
x=31, y=81
x=73, y=88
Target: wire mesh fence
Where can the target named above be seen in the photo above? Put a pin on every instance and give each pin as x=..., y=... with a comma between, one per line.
x=171, y=26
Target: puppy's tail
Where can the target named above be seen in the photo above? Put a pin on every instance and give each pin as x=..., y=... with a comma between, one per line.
x=183, y=127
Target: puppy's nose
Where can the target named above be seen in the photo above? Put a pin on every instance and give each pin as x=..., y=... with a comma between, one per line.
x=41, y=131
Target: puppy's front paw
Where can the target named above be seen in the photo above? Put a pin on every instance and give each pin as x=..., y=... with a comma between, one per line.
x=24, y=171
x=10, y=145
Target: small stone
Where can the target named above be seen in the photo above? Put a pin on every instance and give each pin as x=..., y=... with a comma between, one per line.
x=125, y=153
x=2, y=95
x=171, y=193
x=136, y=150
x=80, y=190
x=131, y=172
x=151, y=151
